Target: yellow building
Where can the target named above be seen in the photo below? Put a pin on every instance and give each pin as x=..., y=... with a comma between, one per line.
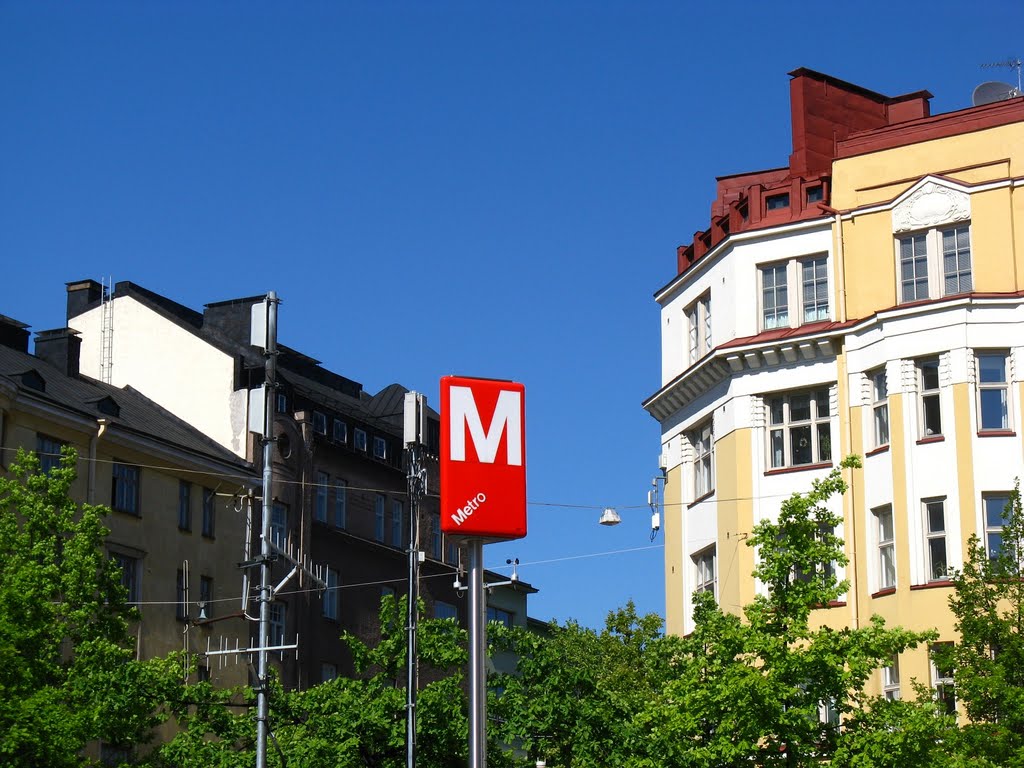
x=176, y=527
x=867, y=299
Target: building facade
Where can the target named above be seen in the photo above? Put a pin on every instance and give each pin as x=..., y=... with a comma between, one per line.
x=340, y=490
x=865, y=299
x=176, y=520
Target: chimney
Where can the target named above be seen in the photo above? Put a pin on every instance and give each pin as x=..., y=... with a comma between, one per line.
x=83, y=295
x=61, y=348
x=13, y=334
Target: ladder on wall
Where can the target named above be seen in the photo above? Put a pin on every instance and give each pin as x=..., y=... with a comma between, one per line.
x=107, y=331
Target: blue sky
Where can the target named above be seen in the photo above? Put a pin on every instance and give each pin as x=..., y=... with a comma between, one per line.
x=476, y=188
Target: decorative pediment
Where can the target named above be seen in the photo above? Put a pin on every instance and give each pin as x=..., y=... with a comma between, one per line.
x=930, y=204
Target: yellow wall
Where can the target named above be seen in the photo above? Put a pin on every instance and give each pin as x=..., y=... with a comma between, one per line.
x=734, y=487
x=673, y=533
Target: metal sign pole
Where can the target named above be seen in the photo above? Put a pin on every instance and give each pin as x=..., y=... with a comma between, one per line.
x=477, y=657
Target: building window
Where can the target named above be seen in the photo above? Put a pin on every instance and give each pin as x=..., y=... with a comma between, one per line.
x=698, y=327
x=378, y=517
x=811, y=302
x=48, y=449
x=319, y=423
x=206, y=595
x=919, y=263
x=331, y=595
x=435, y=536
x=323, y=482
x=184, y=505
x=500, y=615
x=891, y=679
x=131, y=575
x=814, y=282
x=279, y=525
x=935, y=535
x=815, y=194
x=281, y=402
x=942, y=681
x=124, y=492
x=341, y=504
x=799, y=429
x=180, y=606
x=360, y=439
x=443, y=610
x=397, y=518
x=702, y=440
x=278, y=618
x=451, y=550
x=995, y=505
x=328, y=672
x=777, y=202
x=886, y=547
x=340, y=431
x=993, y=412
x=931, y=412
x=774, y=297
x=705, y=563
x=380, y=448
x=880, y=407
x=209, y=512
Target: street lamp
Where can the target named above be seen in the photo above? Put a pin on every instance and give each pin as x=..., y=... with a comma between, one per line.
x=610, y=517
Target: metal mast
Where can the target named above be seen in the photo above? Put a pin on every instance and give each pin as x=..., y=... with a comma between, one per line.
x=266, y=594
x=415, y=434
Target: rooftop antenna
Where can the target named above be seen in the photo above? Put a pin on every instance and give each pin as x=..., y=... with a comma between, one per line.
x=995, y=90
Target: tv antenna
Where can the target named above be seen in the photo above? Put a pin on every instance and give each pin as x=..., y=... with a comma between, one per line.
x=995, y=90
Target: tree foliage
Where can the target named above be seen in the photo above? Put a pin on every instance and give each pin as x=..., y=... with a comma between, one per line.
x=988, y=606
x=67, y=669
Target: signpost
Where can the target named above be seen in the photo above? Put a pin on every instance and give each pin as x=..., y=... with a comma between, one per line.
x=483, y=498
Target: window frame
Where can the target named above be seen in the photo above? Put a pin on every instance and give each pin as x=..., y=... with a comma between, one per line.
x=943, y=681
x=209, y=513
x=705, y=563
x=786, y=426
x=698, y=327
x=323, y=482
x=445, y=610
x=320, y=423
x=277, y=621
x=380, y=448
x=379, y=503
x=885, y=546
x=1002, y=386
x=928, y=395
x=932, y=536
x=184, y=505
x=933, y=262
x=702, y=440
x=339, y=431
x=891, y=680
x=397, y=523
x=49, y=451
x=991, y=529
x=801, y=296
x=340, y=503
x=125, y=487
x=359, y=439
x=880, y=406
x=279, y=525
x=131, y=576
x=206, y=594
x=329, y=608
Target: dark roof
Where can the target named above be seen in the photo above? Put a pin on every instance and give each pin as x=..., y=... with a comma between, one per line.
x=134, y=412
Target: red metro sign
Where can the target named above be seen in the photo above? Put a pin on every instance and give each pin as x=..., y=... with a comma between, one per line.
x=483, y=458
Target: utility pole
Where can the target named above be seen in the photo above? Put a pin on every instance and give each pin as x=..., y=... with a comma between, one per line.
x=269, y=388
x=415, y=431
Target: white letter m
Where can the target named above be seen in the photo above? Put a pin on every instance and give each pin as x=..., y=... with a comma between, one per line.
x=507, y=416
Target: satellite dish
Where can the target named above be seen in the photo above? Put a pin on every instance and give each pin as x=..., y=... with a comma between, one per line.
x=986, y=93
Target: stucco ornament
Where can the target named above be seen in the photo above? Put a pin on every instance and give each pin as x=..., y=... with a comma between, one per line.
x=931, y=205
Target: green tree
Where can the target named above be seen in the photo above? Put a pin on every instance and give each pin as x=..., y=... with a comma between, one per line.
x=754, y=690
x=575, y=691
x=67, y=668
x=356, y=722
x=988, y=606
